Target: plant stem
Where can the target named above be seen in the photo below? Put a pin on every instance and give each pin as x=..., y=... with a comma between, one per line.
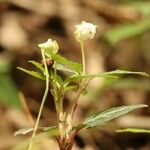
x=58, y=95
x=83, y=56
x=43, y=101
x=79, y=92
x=83, y=83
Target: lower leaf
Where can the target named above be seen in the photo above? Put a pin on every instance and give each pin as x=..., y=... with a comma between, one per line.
x=134, y=130
x=33, y=73
x=53, y=131
x=100, y=118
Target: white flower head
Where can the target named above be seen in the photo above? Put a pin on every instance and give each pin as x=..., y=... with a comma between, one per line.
x=85, y=31
x=50, y=45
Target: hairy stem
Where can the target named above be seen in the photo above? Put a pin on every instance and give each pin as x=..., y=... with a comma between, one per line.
x=43, y=101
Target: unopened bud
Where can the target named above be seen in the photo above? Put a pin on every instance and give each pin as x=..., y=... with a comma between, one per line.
x=50, y=45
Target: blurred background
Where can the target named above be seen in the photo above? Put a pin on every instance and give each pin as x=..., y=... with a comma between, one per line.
x=122, y=42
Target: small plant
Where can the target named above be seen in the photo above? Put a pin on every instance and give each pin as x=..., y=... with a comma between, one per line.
x=76, y=80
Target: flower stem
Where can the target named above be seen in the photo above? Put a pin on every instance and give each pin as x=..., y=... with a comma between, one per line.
x=43, y=101
x=83, y=56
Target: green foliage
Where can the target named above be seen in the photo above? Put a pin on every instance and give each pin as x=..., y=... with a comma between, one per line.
x=76, y=80
x=125, y=31
x=37, y=64
x=65, y=64
x=111, y=74
x=60, y=86
x=142, y=7
x=56, y=78
x=127, y=83
x=134, y=130
x=8, y=90
x=33, y=73
x=23, y=131
x=123, y=72
x=63, y=67
x=70, y=88
x=52, y=131
x=100, y=118
x=4, y=67
x=79, y=77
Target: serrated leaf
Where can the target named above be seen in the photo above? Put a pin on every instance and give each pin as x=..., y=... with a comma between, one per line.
x=111, y=74
x=37, y=64
x=134, y=130
x=33, y=73
x=100, y=118
x=64, y=61
x=51, y=130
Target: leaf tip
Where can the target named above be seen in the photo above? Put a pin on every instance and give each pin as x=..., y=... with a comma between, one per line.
x=146, y=74
x=19, y=68
x=144, y=105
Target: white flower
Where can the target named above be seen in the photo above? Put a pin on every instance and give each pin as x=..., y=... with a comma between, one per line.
x=50, y=45
x=85, y=31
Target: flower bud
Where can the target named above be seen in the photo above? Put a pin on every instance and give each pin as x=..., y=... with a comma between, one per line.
x=85, y=31
x=50, y=45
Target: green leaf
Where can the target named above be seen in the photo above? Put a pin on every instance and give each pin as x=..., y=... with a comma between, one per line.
x=74, y=67
x=33, y=73
x=56, y=78
x=23, y=131
x=127, y=83
x=124, y=72
x=38, y=65
x=8, y=89
x=111, y=74
x=5, y=67
x=125, y=31
x=134, y=130
x=79, y=77
x=51, y=130
x=63, y=67
x=100, y=118
x=70, y=87
x=142, y=7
